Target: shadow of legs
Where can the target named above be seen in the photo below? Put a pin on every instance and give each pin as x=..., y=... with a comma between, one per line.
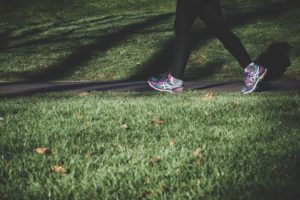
x=196, y=72
x=276, y=58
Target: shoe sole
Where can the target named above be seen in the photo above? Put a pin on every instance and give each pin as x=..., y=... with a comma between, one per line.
x=256, y=83
x=177, y=90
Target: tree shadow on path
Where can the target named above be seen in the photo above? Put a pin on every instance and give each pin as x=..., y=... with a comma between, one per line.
x=57, y=38
x=83, y=54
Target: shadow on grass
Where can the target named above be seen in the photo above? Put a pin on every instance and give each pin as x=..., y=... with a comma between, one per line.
x=83, y=54
x=3, y=39
x=276, y=58
x=196, y=72
x=279, y=178
x=285, y=182
x=57, y=38
x=161, y=61
x=278, y=170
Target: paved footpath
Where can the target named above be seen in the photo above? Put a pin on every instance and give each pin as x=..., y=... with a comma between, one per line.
x=27, y=88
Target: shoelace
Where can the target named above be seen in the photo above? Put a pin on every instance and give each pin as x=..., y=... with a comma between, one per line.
x=250, y=78
x=163, y=78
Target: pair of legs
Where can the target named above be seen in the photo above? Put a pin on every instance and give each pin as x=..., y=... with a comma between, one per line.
x=210, y=13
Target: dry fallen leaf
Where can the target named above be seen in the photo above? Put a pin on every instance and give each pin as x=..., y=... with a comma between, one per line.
x=148, y=193
x=206, y=113
x=158, y=121
x=149, y=113
x=237, y=104
x=154, y=160
x=208, y=96
x=197, y=153
x=90, y=154
x=198, y=182
x=58, y=169
x=124, y=126
x=83, y=94
x=43, y=151
x=163, y=188
x=173, y=142
x=197, y=162
x=178, y=170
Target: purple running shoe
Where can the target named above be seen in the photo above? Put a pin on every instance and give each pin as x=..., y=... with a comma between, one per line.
x=166, y=84
x=253, y=74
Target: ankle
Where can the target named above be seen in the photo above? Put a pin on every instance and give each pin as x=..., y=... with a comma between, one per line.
x=174, y=80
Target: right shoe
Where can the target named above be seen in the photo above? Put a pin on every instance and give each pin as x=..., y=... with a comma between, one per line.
x=166, y=84
x=253, y=74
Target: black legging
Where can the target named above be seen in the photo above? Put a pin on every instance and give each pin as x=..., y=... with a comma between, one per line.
x=210, y=13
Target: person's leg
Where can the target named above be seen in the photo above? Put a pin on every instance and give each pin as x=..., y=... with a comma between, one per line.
x=213, y=19
x=186, y=13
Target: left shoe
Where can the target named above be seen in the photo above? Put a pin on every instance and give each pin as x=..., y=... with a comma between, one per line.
x=253, y=74
x=166, y=84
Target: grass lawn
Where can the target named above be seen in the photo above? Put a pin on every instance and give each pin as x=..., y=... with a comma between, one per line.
x=147, y=145
x=104, y=145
